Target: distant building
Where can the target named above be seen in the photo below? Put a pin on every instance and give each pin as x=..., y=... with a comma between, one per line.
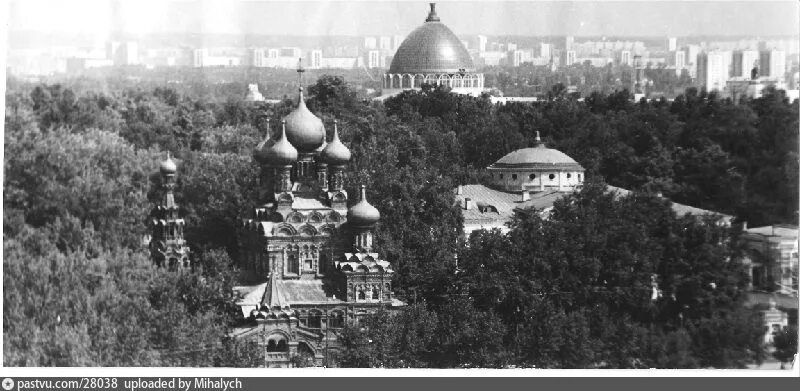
x=482, y=43
x=257, y=57
x=253, y=95
x=626, y=58
x=533, y=178
x=385, y=43
x=370, y=43
x=772, y=262
x=316, y=59
x=672, y=44
x=773, y=64
x=570, y=58
x=712, y=70
x=432, y=54
x=680, y=61
x=743, y=63
x=545, y=50
x=772, y=257
x=569, y=42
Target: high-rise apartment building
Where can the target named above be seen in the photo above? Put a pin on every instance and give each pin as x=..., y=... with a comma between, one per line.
x=482, y=40
x=316, y=59
x=545, y=50
x=680, y=61
x=773, y=64
x=370, y=43
x=712, y=70
x=385, y=43
x=672, y=44
x=625, y=58
x=743, y=62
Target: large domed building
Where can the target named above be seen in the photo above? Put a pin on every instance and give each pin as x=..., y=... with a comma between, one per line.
x=432, y=54
x=532, y=178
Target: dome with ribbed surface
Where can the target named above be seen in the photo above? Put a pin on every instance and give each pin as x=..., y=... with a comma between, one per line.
x=304, y=129
x=363, y=214
x=431, y=48
x=336, y=153
x=168, y=167
x=537, y=157
x=281, y=153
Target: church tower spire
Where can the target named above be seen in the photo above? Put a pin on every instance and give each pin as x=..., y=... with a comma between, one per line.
x=167, y=246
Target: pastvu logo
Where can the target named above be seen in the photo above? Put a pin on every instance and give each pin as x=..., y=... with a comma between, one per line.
x=8, y=384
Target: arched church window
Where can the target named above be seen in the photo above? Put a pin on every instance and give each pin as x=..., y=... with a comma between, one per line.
x=294, y=264
x=361, y=295
x=272, y=346
x=308, y=264
x=569, y=175
x=514, y=177
x=552, y=176
x=282, y=346
x=375, y=294
x=532, y=176
x=501, y=176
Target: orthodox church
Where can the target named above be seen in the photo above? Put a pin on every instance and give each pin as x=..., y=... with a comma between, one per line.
x=167, y=246
x=308, y=257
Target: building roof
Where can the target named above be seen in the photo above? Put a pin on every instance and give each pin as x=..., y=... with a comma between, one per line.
x=432, y=48
x=285, y=293
x=498, y=206
x=679, y=209
x=494, y=206
x=781, y=300
x=781, y=231
x=539, y=157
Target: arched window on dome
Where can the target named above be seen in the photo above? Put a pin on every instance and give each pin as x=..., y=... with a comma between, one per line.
x=569, y=175
x=552, y=176
x=514, y=177
x=532, y=176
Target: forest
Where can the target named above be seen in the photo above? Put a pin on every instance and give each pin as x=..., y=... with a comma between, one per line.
x=571, y=291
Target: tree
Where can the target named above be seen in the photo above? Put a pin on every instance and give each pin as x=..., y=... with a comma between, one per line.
x=785, y=342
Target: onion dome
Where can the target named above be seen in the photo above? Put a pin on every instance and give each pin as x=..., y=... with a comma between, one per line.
x=281, y=153
x=538, y=157
x=260, y=149
x=168, y=167
x=431, y=48
x=335, y=153
x=362, y=214
x=304, y=129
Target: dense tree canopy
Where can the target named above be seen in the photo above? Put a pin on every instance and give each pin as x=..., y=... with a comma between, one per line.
x=574, y=290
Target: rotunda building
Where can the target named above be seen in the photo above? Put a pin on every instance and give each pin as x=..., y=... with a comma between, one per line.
x=536, y=169
x=432, y=54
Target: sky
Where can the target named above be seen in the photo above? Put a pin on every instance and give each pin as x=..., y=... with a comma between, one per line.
x=534, y=18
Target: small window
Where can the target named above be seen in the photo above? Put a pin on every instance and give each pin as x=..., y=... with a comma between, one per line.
x=579, y=176
x=552, y=176
x=375, y=294
x=501, y=176
x=514, y=177
x=532, y=176
x=569, y=176
x=361, y=295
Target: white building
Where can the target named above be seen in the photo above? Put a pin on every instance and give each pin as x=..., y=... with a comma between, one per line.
x=545, y=50
x=713, y=70
x=743, y=62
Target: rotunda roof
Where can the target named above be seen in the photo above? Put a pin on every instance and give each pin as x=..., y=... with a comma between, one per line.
x=538, y=157
x=432, y=48
x=304, y=129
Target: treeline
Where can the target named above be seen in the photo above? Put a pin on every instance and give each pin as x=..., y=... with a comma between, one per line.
x=80, y=175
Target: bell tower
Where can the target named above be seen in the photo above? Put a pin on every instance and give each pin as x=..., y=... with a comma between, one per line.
x=167, y=246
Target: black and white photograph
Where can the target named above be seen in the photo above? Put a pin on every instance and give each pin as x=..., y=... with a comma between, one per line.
x=468, y=187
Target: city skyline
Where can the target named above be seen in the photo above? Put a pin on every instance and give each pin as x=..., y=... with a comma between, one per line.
x=351, y=18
